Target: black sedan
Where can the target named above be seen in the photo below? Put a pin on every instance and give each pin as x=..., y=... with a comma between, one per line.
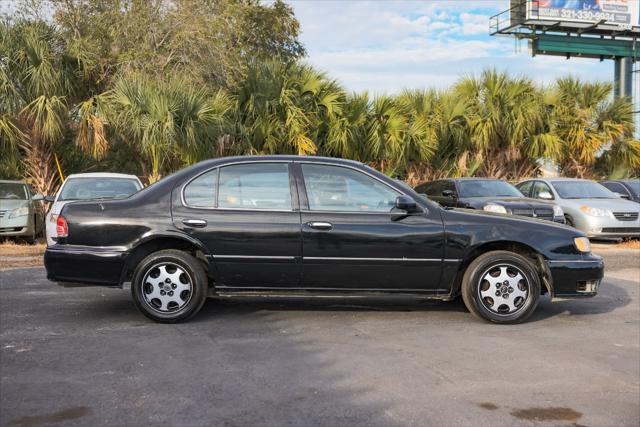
x=492, y=195
x=288, y=225
x=626, y=188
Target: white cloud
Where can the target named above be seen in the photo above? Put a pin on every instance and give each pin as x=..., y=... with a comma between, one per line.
x=384, y=46
x=474, y=24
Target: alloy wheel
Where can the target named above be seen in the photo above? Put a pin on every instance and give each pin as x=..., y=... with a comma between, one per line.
x=167, y=287
x=504, y=289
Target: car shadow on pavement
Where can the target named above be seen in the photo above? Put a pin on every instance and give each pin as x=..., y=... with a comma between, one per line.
x=217, y=307
x=611, y=297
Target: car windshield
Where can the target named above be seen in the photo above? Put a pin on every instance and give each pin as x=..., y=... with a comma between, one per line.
x=487, y=188
x=98, y=188
x=582, y=190
x=13, y=191
x=634, y=185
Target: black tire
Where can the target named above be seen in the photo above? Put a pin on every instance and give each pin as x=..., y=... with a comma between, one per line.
x=474, y=283
x=30, y=239
x=569, y=221
x=188, y=270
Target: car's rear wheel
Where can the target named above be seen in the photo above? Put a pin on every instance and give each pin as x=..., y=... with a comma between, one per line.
x=169, y=286
x=501, y=287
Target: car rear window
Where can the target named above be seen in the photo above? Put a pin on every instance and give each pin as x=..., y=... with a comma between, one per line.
x=98, y=188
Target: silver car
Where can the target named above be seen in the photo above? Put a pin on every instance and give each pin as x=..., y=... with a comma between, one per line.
x=19, y=216
x=588, y=206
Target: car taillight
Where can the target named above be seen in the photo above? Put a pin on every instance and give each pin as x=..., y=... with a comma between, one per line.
x=61, y=227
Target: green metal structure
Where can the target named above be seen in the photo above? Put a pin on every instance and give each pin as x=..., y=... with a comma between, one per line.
x=576, y=39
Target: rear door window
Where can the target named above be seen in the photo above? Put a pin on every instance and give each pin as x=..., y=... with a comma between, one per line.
x=255, y=186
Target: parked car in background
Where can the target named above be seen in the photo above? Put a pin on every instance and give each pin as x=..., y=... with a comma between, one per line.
x=88, y=186
x=493, y=195
x=19, y=215
x=297, y=225
x=588, y=206
x=626, y=188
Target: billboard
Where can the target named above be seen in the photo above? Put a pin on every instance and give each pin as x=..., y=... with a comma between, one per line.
x=623, y=13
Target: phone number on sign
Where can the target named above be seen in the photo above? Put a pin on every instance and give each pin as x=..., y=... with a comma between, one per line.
x=583, y=15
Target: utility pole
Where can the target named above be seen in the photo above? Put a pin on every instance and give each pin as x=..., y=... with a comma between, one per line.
x=623, y=77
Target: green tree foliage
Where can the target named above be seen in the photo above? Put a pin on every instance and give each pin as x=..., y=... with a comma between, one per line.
x=209, y=41
x=148, y=87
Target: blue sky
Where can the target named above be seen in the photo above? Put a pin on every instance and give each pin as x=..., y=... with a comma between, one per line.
x=385, y=46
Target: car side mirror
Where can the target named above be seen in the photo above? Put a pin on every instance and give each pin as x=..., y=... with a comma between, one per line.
x=545, y=195
x=449, y=193
x=623, y=196
x=37, y=198
x=50, y=199
x=406, y=203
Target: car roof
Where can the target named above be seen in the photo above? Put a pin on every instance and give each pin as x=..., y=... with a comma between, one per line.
x=564, y=179
x=623, y=180
x=278, y=157
x=9, y=181
x=101, y=175
x=471, y=178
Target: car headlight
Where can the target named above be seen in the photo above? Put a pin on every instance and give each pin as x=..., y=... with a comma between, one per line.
x=594, y=211
x=582, y=244
x=23, y=211
x=557, y=211
x=495, y=208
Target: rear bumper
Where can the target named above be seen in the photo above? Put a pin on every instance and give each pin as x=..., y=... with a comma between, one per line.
x=576, y=278
x=84, y=265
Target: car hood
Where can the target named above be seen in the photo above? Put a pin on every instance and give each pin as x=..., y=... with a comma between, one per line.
x=617, y=205
x=484, y=216
x=510, y=202
x=11, y=204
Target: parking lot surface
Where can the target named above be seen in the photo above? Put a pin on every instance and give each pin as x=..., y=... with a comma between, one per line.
x=85, y=356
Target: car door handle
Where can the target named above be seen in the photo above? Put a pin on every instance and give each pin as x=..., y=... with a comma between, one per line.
x=199, y=223
x=320, y=225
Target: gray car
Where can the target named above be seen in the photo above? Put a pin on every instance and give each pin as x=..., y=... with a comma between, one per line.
x=19, y=216
x=588, y=206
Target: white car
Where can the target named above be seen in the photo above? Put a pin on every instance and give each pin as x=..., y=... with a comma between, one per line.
x=88, y=186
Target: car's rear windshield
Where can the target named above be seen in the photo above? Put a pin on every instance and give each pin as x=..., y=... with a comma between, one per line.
x=98, y=188
x=13, y=191
x=487, y=188
x=582, y=190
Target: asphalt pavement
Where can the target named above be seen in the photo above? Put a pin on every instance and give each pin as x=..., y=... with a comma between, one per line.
x=85, y=356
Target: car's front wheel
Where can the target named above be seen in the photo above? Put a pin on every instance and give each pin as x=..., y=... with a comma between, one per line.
x=169, y=286
x=501, y=286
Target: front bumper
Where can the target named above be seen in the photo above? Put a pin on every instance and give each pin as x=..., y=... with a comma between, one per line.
x=16, y=227
x=84, y=265
x=608, y=227
x=576, y=278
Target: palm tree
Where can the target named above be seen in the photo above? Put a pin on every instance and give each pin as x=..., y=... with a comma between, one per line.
x=36, y=84
x=589, y=123
x=281, y=108
x=167, y=121
x=506, y=114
